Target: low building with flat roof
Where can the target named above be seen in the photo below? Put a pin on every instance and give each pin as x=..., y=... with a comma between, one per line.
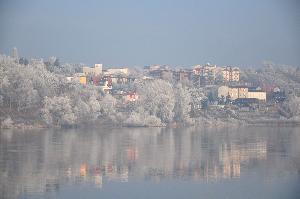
x=96, y=70
x=260, y=95
x=241, y=92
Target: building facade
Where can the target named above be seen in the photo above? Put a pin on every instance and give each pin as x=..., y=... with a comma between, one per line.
x=97, y=70
x=231, y=74
x=260, y=95
x=241, y=92
x=223, y=91
x=114, y=71
x=206, y=75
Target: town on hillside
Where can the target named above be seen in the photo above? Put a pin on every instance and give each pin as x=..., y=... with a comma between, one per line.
x=222, y=85
x=154, y=95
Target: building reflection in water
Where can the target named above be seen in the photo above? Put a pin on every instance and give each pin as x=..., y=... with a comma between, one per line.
x=40, y=162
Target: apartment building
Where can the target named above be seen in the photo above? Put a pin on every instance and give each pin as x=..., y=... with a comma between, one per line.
x=231, y=74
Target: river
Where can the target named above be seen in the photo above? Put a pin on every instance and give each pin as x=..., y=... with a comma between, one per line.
x=246, y=162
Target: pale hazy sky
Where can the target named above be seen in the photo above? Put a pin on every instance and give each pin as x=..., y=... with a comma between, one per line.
x=140, y=32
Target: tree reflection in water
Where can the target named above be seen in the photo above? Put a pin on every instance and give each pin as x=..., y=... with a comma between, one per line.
x=34, y=163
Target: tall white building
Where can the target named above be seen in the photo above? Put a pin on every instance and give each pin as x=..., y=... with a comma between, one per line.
x=14, y=53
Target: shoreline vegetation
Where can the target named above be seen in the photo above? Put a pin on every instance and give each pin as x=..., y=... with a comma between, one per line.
x=37, y=95
x=206, y=124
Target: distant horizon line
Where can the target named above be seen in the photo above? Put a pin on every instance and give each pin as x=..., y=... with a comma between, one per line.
x=130, y=66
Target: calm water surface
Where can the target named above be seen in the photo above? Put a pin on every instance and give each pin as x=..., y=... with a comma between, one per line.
x=256, y=162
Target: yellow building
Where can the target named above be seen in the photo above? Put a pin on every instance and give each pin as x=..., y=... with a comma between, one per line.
x=78, y=77
x=82, y=80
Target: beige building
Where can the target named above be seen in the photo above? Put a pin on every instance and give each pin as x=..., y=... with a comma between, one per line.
x=260, y=95
x=231, y=74
x=236, y=92
x=233, y=92
x=97, y=70
x=115, y=71
x=223, y=91
x=242, y=92
x=154, y=67
x=207, y=70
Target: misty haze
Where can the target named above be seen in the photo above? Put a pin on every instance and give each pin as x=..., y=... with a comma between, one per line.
x=149, y=99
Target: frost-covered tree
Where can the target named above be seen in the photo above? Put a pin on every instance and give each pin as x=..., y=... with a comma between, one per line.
x=182, y=107
x=294, y=106
x=140, y=117
x=1, y=100
x=95, y=107
x=108, y=105
x=197, y=97
x=7, y=123
x=157, y=98
x=58, y=111
x=23, y=87
x=82, y=111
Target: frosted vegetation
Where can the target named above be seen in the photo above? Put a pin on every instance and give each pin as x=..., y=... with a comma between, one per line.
x=284, y=76
x=39, y=94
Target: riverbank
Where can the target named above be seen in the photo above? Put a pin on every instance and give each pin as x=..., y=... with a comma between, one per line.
x=274, y=122
x=198, y=122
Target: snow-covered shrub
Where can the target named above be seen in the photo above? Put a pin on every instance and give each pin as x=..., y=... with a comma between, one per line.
x=7, y=123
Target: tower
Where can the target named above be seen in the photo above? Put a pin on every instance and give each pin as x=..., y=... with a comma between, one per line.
x=14, y=53
x=98, y=69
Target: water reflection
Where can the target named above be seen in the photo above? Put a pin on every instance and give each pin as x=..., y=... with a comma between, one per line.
x=35, y=163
